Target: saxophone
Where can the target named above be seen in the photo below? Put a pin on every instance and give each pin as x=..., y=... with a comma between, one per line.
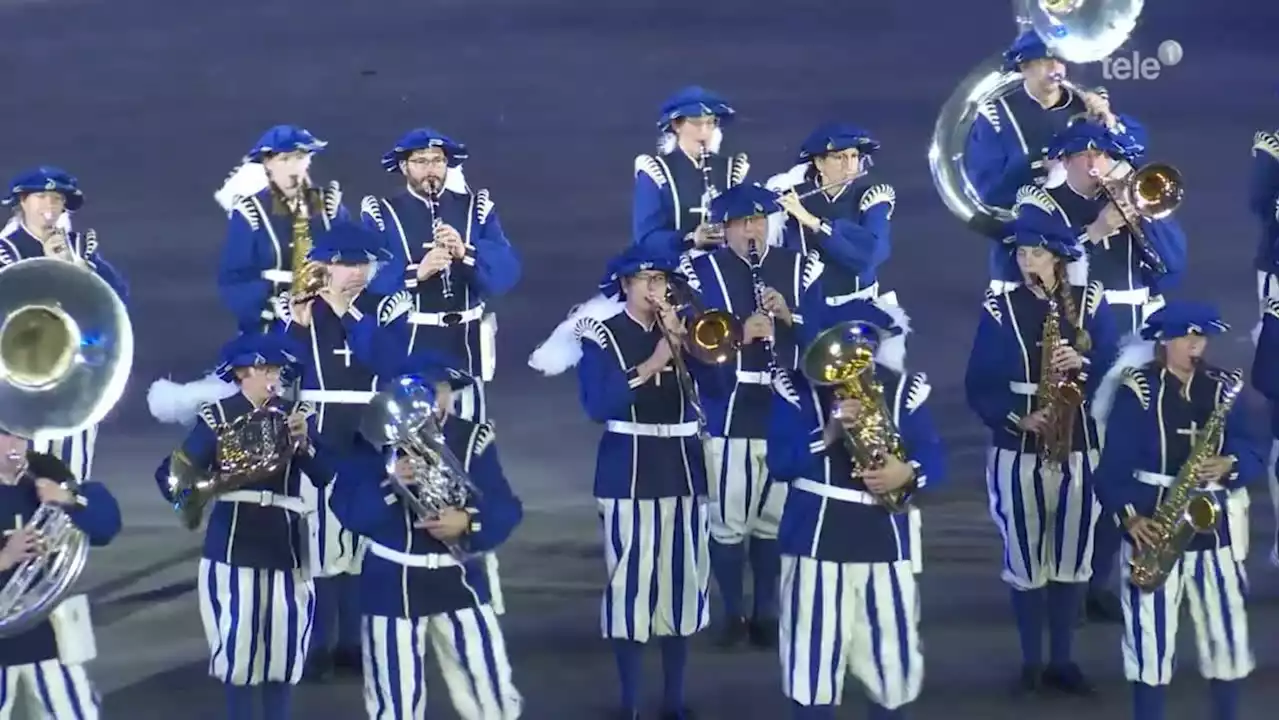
x=1058, y=393
x=1185, y=510
x=308, y=275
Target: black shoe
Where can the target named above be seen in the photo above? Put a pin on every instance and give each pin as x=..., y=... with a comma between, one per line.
x=1067, y=679
x=681, y=714
x=732, y=633
x=1103, y=607
x=1028, y=682
x=319, y=667
x=347, y=661
x=763, y=633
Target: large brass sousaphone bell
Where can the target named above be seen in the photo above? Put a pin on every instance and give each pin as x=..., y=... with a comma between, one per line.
x=1080, y=31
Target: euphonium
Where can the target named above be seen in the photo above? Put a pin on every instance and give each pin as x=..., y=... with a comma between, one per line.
x=308, y=275
x=1058, y=394
x=839, y=358
x=713, y=337
x=1185, y=509
x=1151, y=192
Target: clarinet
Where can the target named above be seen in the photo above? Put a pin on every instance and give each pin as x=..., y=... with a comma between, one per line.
x=433, y=205
x=709, y=191
x=753, y=257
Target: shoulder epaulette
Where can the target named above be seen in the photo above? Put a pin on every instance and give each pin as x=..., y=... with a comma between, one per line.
x=248, y=209
x=484, y=205
x=1037, y=197
x=481, y=438
x=1136, y=380
x=685, y=270
x=1227, y=380
x=89, y=244
x=918, y=389
x=991, y=303
x=989, y=111
x=589, y=329
x=1093, y=296
x=785, y=387
x=393, y=306
x=1272, y=307
x=6, y=257
x=209, y=415
x=282, y=308
x=332, y=199
x=882, y=194
x=813, y=267
x=1267, y=143
x=739, y=166
x=372, y=207
x=648, y=165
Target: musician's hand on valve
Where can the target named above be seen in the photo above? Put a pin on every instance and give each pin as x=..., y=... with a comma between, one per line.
x=895, y=474
x=438, y=258
x=1214, y=468
x=404, y=470
x=1035, y=422
x=298, y=428
x=19, y=546
x=776, y=305
x=756, y=327
x=1143, y=531
x=449, y=526
x=706, y=235
x=1100, y=108
x=53, y=493
x=1066, y=358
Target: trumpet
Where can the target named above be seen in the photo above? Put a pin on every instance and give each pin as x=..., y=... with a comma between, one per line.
x=712, y=337
x=1151, y=192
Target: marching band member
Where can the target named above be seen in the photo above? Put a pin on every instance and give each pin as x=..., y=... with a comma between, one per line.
x=1155, y=425
x=844, y=215
x=1043, y=446
x=42, y=201
x=765, y=288
x=1264, y=200
x=45, y=665
x=349, y=336
x=417, y=594
x=840, y=541
x=674, y=189
x=449, y=248
x=257, y=598
x=273, y=212
x=1266, y=377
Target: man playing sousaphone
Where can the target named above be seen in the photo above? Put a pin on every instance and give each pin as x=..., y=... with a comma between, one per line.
x=273, y=213
x=255, y=583
x=850, y=603
x=1039, y=353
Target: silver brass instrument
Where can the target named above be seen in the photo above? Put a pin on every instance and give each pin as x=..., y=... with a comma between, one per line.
x=709, y=193
x=712, y=336
x=1152, y=192
x=66, y=350
x=1081, y=31
x=405, y=417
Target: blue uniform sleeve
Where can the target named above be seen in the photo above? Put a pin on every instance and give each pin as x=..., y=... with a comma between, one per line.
x=652, y=219
x=492, y=261
x=1265, y=369
x=318, y=461
x=392, y=275
x=794, y=443
x=814, y=315
x=857, y=247
x=99, y=517
x=497, y=510
x=995, y=175
x=923, y=443
x=1169, y=242
x=360, y=493
x=110, y=275
x=382, y=345
x=241, y=286
x=1114, y=483
x=986, y=380
x=606, y=390
x=1264, y=182
x=1245, y=443
x=1104, y=334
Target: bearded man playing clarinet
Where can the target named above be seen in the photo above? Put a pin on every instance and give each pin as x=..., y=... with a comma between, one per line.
x=273, y=212
x=833, y=208
x=849, y=596
x=674, y=188
x=449, y=250
x=1176, y=442
x=1039, y=353
x=764, y=289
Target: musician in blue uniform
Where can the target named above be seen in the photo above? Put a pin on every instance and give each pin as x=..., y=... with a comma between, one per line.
x=840, y=541
x=1042, y=496
x=770, y=291
x=448, y=248
x=1163, y=402
x=675, y=187
x=1007, y=144
x=424, y=582
x=348, y=336
x=834, y=208
x=43, y=200
x=1264, y=201
x=257, y=598
x=44, y=667
x=273, y=212
x=1265, y=378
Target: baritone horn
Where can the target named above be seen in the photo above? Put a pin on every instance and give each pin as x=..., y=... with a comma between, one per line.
x=1152, y=192
x=66, y=351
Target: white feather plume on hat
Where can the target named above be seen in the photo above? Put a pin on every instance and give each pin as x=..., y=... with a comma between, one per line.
x=249, y=179
x=783, y=182
x=562, y=350
x=455, y=181
x=1134, y=353
x=892, y=352
x=180, y=403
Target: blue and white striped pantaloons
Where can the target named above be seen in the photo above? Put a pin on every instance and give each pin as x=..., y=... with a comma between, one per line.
x=50, y=689
x=1238, y=503
x=471, y=403
x=1045, y=520
x=1268, y=287
x=332, y=549
x=470, y=650
x=1212, y=584
x=744, y=503
x=75, y=450
x=849, y=618
x=257, y=622
x=658, y=564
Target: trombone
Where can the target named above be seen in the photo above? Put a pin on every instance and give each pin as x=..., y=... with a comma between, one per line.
x=1151, y=192
x=712, y=337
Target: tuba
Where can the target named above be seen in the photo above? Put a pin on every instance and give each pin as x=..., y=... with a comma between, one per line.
x=712, y=336
x=66, y=350
x=405, y=417
x=1152, y=192
x=839, y=358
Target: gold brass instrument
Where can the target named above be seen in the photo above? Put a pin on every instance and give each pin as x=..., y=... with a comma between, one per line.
x=841, y=359
x=1058, y=394
x=1151, y=192
x=252, y=448
x=66, y=351
x=1185, y=510
x=309, y=276
x=712, y=336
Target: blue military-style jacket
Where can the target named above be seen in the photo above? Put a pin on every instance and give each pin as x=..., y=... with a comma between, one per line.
x=1264, y=199
x=407, y=573
x=22, y=245
x=670, y=189
x=1265, y=375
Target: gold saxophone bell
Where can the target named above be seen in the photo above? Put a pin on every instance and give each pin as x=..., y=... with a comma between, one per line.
x=1202, y=513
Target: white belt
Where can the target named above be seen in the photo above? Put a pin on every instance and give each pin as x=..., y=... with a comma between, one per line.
x=1023, y=388
x=446, y=319
x=266, y=498
x=277, y=276
x=1137, y=296
x=748, y=377
x=337, y=397
x=435, y=561
x=1164, y=481
x=867, y=293
x=675, y=430
x=862, y=497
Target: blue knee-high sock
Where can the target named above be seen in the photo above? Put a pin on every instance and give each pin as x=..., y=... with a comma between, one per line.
x=726, y=565
x=349, y=612
x=1226, y=697
x=627, y=654
x=1028, y=612
x=879, y=712
x=326, y=615
x=276, y=699
x=1148, y=702
x=766, y=565
x=675, y=656
x=1064, y=611
x=812, y=712
x=239, y=702
x=1106, y=543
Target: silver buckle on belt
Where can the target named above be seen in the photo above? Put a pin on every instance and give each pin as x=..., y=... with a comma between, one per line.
x=266, y=498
